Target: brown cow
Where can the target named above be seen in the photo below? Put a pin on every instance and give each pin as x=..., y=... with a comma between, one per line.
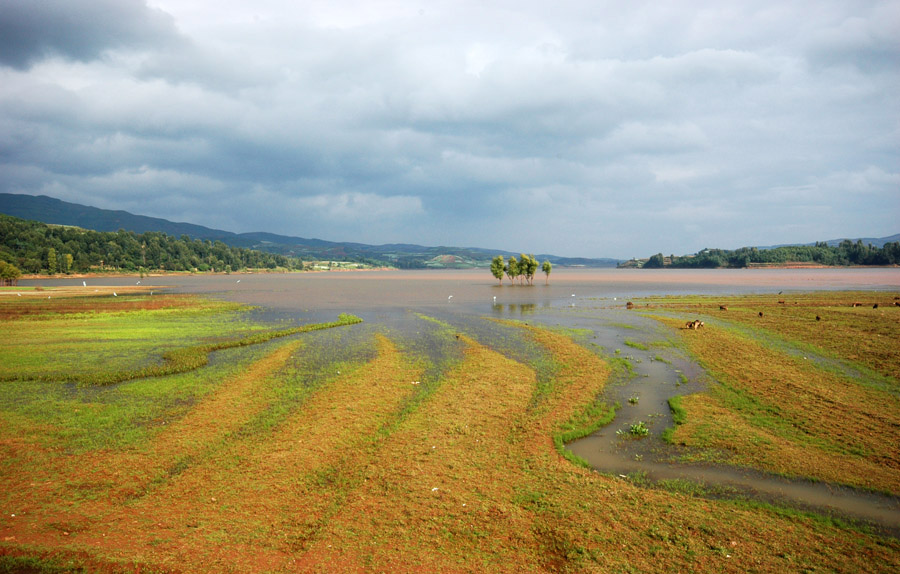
x=760, y=314
x=629, y=305
x=723, y=308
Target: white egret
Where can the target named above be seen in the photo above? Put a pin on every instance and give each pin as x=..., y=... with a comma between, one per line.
x=238, y=280
x=84, y=283
x=114, y=294
x=450, y=297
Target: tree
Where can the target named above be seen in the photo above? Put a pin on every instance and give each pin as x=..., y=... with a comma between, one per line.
x=51, y=261
x=546, y=268
x=512, y=269
x=9, y=274
x=497, y=269
x=528, y=267
x=655, y=261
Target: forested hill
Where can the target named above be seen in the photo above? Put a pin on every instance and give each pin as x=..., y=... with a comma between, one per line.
x=54, y=211
x=35, y=247
x=845, y=252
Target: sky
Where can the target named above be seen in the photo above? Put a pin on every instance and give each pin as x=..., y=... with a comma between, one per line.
x=577, y=128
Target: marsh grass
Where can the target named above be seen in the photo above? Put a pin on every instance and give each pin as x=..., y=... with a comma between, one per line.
x=773, y=408
x=679, y=416
x=861, y=335
x=320, y=453
x=636, y=345
x=77, y=347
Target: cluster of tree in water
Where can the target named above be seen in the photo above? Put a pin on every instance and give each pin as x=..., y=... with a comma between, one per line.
x=845, y=253
x=521, y=270
x=33, y=247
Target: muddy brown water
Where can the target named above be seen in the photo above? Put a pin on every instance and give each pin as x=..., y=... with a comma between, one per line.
x=592, y=301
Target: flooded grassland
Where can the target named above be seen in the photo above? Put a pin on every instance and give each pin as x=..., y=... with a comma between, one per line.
x=430, y=436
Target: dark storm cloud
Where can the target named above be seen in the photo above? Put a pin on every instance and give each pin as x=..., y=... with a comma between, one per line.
x=31, y=30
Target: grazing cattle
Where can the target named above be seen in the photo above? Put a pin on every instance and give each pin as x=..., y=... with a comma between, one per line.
x=696, y=324
x=781, y=301
x=818, y=318
x=896, y=303
x=760, y=314
x=723, y=308
x=629, y=305
x=875, y=306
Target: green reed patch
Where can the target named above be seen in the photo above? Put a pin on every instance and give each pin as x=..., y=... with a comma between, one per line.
x=175, y=361
x=636, y=345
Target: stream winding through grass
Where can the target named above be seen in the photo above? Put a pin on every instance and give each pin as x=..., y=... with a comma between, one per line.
x=661, y=372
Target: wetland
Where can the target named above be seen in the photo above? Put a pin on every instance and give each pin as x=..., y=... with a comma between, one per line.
x=462, y=425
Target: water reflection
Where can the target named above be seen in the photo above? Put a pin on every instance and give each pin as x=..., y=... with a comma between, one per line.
x=516, y=309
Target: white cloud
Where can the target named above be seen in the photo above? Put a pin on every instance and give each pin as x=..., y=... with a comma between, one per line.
x=597, y=127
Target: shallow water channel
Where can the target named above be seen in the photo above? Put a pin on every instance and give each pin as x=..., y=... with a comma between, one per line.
x=660, y=372
x=590, y=302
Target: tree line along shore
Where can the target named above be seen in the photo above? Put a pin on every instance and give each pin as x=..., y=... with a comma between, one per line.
x=30, y=247
x=35, y=248
x=846, y=253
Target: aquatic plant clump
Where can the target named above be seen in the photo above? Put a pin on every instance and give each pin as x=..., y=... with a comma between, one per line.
x=635, y=430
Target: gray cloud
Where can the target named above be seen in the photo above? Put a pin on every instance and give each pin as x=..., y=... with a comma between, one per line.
x=580, y=128
x=33, y=30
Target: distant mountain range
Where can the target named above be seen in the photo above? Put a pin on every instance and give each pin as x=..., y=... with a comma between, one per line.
x=54, y=211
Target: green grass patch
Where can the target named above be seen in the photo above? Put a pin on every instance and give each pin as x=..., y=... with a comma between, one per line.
x=584, y=423
x=679, y=416
x=175, y=361
x=37, y=565
x=636, y=345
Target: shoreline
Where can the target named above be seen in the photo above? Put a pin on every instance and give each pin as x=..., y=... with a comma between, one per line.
x=113, y=274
